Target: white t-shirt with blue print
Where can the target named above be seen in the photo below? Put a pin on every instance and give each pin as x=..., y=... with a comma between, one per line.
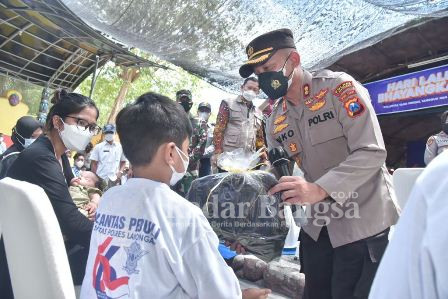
x=148, y=242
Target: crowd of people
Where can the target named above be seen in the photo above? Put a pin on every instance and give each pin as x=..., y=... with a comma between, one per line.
x=120, y=203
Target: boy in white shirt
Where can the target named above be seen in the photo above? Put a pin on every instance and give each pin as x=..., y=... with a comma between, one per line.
x=147, y=241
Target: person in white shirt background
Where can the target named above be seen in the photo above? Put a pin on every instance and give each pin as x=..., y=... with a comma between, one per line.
x=147, y=241
x=107, y=158
x=415, y=262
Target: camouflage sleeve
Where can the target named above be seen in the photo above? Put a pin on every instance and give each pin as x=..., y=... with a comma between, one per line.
x=220, y=127
x=431, y=150
x=198, y=141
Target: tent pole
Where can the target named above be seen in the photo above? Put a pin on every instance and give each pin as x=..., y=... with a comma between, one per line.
x=44, y=104
x=92, y=86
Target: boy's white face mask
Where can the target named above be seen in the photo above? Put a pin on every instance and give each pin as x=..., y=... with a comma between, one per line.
x=177, y=176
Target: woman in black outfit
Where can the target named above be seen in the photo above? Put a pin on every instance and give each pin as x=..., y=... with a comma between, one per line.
x=70, y=125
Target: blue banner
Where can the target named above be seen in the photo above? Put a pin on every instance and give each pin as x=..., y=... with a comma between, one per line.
x=414, y=91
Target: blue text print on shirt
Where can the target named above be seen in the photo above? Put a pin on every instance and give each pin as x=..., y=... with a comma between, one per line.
x=136, y=229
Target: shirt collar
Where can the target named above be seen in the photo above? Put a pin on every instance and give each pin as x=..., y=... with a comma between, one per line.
x=283, y=104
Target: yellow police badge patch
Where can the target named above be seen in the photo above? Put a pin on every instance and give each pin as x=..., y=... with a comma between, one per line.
x=342, y=87
x=280, y=128
x=280, y=119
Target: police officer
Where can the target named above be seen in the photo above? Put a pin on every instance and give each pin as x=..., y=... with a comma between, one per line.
x=439, y=142
x=327, y=125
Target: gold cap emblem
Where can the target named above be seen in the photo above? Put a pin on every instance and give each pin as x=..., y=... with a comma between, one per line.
x=275, y=84
x=250, y=51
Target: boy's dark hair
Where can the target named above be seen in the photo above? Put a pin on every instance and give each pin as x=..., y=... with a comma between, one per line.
x=149, y=122
x=68, y=103
x=250, y=79
x=77, y=155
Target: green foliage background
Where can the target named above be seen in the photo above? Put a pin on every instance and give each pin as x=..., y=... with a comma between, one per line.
x=165, y=82
x=108, y=83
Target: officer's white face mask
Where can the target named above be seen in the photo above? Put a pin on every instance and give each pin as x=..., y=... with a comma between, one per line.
x=204, y=115
x=109, y=137
x=177, y=176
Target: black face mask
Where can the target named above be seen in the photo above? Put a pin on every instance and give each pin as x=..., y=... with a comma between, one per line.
x=274, y=84
x=187, y=105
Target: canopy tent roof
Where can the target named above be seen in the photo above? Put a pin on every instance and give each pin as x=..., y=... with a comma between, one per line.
x=44, y=43
x=420, y=45
x=207, y=37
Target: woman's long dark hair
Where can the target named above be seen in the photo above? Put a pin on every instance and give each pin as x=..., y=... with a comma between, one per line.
x=68, y=103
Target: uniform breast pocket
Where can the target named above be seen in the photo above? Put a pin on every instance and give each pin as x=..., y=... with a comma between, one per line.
x=329, y=143
x=231, y=137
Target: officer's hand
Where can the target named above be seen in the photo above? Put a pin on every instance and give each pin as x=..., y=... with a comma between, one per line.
x=253, y=293
x=296, y=190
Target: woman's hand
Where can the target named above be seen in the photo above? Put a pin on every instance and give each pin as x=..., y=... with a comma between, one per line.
x=91, y=210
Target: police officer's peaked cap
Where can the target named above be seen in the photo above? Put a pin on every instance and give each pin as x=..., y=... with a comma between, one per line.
x=204, y=105
x=263, y=47
x=109, y=128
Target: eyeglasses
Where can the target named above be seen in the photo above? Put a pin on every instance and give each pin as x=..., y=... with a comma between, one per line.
x=83, y=124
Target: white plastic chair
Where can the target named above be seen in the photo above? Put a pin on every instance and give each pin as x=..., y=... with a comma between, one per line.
x=403, y=181
x=35, y=251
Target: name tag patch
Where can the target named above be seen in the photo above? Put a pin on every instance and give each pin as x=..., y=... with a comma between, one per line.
x=320, y=118
x=283, y=137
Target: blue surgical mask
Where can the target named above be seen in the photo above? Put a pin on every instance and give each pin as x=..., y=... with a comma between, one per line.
x=26, y=141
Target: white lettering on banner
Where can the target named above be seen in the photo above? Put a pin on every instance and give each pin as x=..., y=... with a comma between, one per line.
x=434, y=84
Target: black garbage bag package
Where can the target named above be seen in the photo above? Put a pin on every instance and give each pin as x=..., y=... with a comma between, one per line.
x=238, y=207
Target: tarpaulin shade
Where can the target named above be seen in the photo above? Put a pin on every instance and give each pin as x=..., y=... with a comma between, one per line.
x=207, y=37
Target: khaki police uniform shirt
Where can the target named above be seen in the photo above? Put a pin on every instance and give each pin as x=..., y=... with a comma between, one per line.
x=334, y=136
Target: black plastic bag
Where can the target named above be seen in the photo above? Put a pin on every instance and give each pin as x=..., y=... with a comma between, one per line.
x=239, y=209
